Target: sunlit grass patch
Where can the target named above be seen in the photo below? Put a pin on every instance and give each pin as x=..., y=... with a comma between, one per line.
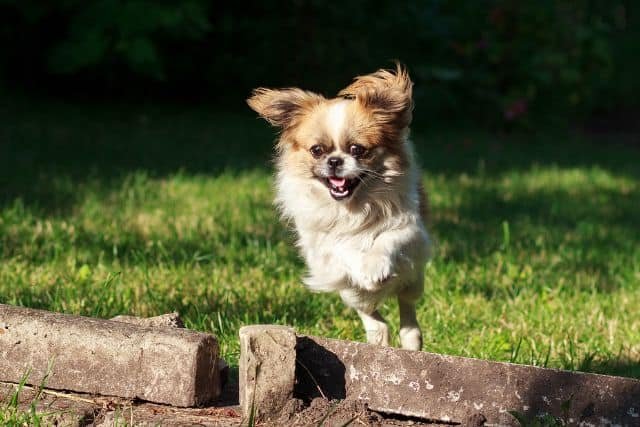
x=537, y=255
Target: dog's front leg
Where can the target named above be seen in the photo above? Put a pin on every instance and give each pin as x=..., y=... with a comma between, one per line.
x=376, y=328
x=410, y=334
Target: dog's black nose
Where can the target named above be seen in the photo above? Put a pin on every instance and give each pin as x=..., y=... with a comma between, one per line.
x=334, y=162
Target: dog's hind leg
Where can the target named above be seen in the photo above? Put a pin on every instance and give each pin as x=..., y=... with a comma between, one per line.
x=376, y=327
x=410, y=334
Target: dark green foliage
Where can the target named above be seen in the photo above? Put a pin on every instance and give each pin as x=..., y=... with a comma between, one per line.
x=81, y=35
x=130, y=32
x=501, y=61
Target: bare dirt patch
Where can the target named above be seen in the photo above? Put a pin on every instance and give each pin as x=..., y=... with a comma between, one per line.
x=321, y=411
x=79, y=410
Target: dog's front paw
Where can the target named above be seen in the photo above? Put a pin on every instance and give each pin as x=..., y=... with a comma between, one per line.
x=372, y=271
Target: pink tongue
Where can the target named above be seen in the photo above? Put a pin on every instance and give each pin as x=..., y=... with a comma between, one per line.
x=338, y=182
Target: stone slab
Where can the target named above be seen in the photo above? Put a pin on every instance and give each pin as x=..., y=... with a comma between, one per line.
x=164, y=365
x=266, y=369
x=171, y=320
x=455, y=389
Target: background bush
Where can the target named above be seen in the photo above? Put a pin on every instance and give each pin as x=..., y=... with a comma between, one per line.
x=500, y=62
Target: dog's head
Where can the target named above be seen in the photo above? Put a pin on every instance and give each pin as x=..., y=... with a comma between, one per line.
x=356, y=140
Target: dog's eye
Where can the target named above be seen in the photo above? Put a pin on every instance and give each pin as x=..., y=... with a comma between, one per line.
x=356, y=150
x=316, y=151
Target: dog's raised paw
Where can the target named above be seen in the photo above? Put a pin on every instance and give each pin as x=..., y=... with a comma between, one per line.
x=372, y=271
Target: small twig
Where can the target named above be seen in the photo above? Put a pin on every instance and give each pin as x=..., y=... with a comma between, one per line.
x=68, y=396
x=312, y=378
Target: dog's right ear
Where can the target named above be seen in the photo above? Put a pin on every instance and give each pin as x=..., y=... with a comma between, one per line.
x=281, y=107
x=386, y=93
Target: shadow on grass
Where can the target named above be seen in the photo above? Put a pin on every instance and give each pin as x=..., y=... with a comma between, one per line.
x=617, y=367
x=49, y=147
x=455, y=151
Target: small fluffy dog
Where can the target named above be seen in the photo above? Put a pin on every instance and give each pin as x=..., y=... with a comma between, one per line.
x=347, y=179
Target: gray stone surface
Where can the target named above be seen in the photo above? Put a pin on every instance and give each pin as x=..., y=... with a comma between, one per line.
x=457, y=389
x=267, y=369
x=164, y=365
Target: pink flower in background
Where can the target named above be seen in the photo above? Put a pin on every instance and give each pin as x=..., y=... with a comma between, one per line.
x=482, y=44
x=516, y=109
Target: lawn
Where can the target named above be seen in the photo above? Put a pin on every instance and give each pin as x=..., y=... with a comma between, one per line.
x=145, y=209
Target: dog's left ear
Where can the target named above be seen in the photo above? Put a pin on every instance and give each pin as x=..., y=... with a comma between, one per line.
x=387, y=93
x=281, y=107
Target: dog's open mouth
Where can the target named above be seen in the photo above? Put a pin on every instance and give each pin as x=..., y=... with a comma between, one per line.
x=340, y=187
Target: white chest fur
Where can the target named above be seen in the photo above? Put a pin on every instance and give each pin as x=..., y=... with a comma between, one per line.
x=374, y=249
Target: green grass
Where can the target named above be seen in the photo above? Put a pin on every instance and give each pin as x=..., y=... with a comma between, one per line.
x=11, y=414
x=144, y=210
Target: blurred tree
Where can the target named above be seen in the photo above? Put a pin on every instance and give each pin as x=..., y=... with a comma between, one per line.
x=499, y=61
x=131, y=32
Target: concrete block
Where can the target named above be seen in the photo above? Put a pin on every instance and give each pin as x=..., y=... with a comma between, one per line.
x=171, y=320
x=267, y=369
x=457, y=389
x=164, y=365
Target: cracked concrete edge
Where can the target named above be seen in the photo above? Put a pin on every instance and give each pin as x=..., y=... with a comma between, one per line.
x=420, y=384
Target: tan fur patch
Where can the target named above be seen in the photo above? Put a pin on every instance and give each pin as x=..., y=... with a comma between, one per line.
x=387, y=97
x=281, y=107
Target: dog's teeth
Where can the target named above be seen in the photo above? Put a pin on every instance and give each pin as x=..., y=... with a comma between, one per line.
x=339, y=192
x=340, y=187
